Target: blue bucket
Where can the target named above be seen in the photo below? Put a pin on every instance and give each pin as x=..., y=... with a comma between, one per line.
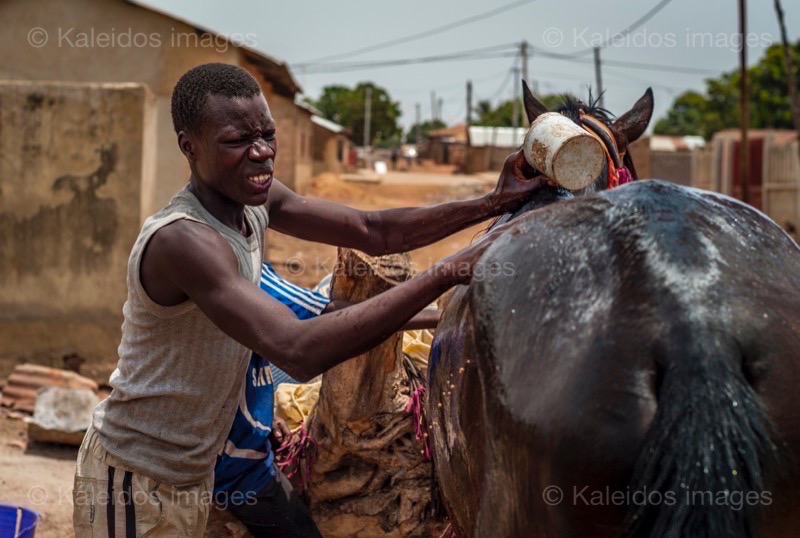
x=17, y=522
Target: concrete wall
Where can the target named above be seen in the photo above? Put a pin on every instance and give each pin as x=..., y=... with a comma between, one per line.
x=72, y=178
x=111, y=41
x=674, y=166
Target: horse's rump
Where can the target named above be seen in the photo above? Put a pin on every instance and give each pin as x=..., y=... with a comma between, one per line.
x=625, y=348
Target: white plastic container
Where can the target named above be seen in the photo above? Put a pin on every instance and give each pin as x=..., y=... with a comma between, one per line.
x=563, y=151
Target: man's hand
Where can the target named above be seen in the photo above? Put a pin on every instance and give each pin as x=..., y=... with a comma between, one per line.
x=518, y=181
x=280, y=432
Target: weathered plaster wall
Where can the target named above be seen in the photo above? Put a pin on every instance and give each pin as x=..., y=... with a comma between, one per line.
x=73, y=171
x=111, y=41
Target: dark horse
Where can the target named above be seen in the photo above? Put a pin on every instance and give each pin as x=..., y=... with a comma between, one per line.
x=625, y=363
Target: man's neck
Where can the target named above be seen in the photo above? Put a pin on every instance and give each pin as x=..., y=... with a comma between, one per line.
x=225, y=210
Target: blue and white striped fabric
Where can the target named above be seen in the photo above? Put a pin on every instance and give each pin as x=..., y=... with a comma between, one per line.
x=245, y=462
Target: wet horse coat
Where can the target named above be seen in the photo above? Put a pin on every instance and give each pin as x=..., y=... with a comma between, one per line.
x=624, y=363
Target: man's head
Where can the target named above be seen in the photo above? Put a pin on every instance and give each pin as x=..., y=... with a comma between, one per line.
x=193, y=89
x=226, y=132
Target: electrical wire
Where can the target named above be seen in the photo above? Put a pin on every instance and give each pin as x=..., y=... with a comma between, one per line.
x=625, y=31
x=633, y=65
x=498, y=51
x=420, y=35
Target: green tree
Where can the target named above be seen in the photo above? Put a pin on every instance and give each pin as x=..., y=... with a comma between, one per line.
x=718, y=108
x=345, y=106
x=425, y=128
x=689, y=115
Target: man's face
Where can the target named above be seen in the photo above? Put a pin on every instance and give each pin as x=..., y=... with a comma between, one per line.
x=235, y=148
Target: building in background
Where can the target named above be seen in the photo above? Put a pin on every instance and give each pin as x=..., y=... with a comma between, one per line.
x=332, y=145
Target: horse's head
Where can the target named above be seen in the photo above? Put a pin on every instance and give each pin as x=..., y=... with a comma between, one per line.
x=615, y=135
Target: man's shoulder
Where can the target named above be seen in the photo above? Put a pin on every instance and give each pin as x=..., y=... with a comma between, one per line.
x=185, y=236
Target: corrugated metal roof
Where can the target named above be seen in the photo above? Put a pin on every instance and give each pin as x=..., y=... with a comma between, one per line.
x=676, y=143
x=479, y=136
x=501, y=137
x=329, y=125
x=26, y=380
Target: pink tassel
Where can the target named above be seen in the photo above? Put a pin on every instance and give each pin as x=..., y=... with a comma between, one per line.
x=624, y=176
x=297, y=454
x=416, y=406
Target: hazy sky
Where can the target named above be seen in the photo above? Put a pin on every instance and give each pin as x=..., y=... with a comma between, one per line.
x=695, y=34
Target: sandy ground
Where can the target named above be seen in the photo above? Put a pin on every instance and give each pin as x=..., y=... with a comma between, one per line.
x=40, y=476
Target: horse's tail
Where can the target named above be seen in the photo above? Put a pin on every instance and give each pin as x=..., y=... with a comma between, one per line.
x=704, y=460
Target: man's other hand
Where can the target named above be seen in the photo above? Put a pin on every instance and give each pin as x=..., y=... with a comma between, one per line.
x=280, y=431
x=518, y=181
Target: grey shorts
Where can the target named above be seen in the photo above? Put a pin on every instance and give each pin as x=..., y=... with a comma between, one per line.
x=114, y=501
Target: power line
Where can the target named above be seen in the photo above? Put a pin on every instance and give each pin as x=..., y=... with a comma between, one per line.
x=420, y=35
x=633, y=65
x=498, y=51
x=627, y=30
x=449, y=87
x=486, y=54
x=503, y=84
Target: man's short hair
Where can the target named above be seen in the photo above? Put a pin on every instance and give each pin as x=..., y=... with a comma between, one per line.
x=192, y=90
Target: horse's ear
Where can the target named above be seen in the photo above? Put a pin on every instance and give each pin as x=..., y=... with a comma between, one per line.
x=633, y=123
x=533, y=108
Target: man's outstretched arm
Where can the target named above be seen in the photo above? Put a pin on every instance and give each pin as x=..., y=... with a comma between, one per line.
x=401, y=229
x=302, y=348
x=427, y=318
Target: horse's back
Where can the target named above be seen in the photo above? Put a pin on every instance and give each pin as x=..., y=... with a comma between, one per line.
x=572, y=321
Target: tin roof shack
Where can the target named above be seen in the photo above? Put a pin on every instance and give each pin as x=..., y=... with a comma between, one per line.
x=489, y=146
x=446, y=146
x=331, y=146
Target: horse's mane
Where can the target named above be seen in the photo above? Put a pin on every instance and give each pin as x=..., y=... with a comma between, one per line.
x=572, y=107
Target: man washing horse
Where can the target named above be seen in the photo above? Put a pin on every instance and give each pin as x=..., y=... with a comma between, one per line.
x=194, y=311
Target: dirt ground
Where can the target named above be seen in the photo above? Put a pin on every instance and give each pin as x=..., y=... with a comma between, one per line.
x=40, y=476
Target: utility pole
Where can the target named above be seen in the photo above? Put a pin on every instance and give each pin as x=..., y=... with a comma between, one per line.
x=515, y=104
x=439, y=113
x=433, y=106
x=418, y=126
x=367, y=124
x=469, y=122
x=598, y=77
x=523, y=53
x=744, y=104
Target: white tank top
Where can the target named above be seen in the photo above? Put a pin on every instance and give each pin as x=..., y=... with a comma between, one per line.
x=178, y=380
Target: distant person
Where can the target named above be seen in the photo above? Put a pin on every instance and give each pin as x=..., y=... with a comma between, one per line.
x=195, y=314
x=395, y=156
